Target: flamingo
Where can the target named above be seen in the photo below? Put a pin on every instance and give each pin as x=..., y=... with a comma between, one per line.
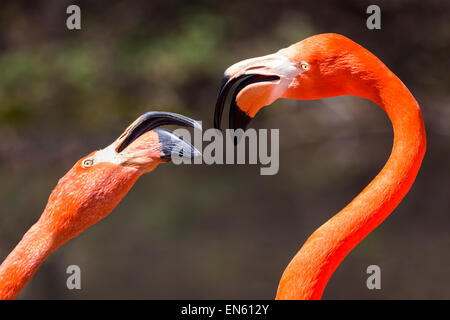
x=91, y=190
x=321, y=66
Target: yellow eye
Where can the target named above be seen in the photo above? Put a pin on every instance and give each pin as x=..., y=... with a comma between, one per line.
x=305, y=66
x=87, y=163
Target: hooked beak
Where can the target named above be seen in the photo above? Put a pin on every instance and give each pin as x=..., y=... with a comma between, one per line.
x=238, y=118
x=170, y=143
x=274, y=68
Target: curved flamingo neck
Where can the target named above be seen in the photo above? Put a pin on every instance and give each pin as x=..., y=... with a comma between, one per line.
x=309, y=271
x=80, y=199
x=24, y=260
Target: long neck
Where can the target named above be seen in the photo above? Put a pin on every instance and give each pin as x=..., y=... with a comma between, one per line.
x=24, y=260
x=308, y=273
x=80, y=200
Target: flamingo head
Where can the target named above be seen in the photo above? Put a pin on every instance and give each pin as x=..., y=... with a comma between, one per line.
x=143, y=145
x=98, y=181
x=320, y=66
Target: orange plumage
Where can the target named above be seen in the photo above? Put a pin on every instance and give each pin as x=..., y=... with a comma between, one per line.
x=90, y=191
x=321, y=66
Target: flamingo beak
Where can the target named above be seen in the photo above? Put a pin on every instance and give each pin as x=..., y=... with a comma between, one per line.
x=276, y=72
x=238, y=118
x=170, y=143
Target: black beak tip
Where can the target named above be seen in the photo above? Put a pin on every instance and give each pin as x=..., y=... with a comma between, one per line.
x=224, y=88
x=154, y=119
x=238, y=118
x=172, y=145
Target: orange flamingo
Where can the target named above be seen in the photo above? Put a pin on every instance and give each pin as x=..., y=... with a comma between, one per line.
x=321, y=66
x=91, y=190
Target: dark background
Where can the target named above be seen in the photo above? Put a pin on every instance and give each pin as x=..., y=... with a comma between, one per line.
x=218, y=231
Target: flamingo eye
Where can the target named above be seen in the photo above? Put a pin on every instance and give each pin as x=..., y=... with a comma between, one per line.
x=305, y=66
x=87, y=163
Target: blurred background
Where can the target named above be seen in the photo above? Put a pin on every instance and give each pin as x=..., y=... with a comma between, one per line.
x=218, y=232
